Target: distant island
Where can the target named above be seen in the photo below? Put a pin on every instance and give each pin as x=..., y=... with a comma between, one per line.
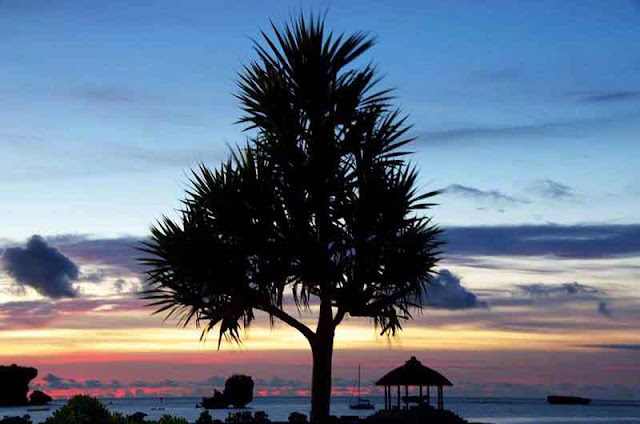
x=14, y=387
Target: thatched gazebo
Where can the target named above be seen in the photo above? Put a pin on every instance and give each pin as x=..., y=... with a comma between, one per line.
x=413, y=373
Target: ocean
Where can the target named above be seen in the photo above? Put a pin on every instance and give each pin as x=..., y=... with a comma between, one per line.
x=486, y=410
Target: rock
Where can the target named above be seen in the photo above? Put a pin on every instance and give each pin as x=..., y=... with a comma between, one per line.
x=217, y=401
x=39, y=398
x=14, y=384
x=238, y=390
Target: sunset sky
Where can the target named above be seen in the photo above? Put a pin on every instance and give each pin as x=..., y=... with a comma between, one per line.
x=526, y=114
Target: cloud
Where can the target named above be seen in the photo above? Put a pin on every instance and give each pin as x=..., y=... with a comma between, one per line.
x=575, y=242
x=107, y=94
x=611, y=96
x=603, y=308
x=28, y=314
x=632, y=347
x=475, y=193
x=552, y=190
x=543, y=295
x=57, y=383
x=275, y=385
x=568, y=128
x=574, y=288
x=447, y=292
x=43, y=313
x=117, y=254
x=41, y=267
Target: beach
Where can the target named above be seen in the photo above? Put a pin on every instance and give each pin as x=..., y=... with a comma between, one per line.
x=488, y=410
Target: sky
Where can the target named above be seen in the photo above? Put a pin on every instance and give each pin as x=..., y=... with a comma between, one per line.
x=526, y=115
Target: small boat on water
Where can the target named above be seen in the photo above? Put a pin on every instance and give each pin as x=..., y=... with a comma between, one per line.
x=159, y=408
x=568, y=400
x=359, y=402
x=44, y=408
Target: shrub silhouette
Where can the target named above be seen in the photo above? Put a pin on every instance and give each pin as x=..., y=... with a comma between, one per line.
x=81, y=409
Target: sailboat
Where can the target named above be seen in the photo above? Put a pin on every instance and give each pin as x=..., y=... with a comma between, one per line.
x=359, y=402
x=159, y=408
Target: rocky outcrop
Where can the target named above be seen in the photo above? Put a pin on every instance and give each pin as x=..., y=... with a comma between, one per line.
x=238, y=392
x=39, y=398
x=14, y=384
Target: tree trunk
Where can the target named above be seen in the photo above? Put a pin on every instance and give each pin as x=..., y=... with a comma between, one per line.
x=321, y=379
x=322, y=350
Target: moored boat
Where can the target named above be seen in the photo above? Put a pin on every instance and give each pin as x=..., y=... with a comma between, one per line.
x=568, y=400
x=359, y=402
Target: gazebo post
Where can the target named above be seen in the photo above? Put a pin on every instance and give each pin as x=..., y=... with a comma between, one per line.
x=398, y=396
x=440, y=400
x=406, y=397
x=429, y=395
x=387, y=397
x=420, y=393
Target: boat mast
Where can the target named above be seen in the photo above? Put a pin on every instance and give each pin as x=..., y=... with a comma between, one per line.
x=358, y=382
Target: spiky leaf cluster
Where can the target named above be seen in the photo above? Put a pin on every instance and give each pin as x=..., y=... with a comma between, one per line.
x=319, y=205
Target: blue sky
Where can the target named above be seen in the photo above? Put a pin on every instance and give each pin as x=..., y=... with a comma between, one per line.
x=105, y=106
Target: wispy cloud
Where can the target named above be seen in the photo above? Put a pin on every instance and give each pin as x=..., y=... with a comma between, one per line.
x=561, y=128
x=611, y=96
x=106, y=94
x=476, y=193
x=34, y=314
x=633, y=347
x=578, y=242
x=573, y=289
x=551, y=189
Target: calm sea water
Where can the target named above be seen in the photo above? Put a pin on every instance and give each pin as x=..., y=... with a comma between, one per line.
x=489, y=410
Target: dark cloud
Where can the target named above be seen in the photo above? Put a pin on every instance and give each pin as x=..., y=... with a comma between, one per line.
x=447, y=292
x=574, y=288
x=552, y=295
x=575, y=242
x=57, y=383
x=603, y=308
x=611, y=96
x=632, y=347
x=41, y=267
x=552, y=190
x=278, y=383
x=476, y=193
x=179, y=387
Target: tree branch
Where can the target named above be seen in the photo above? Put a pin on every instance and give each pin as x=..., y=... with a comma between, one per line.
x=288, y=319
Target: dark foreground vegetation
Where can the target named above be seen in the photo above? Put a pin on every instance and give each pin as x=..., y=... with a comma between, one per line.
x=88, y=410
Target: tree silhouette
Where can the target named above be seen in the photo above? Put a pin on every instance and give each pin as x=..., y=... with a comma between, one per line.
x=319, y=208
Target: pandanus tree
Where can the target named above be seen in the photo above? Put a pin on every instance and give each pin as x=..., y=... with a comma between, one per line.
x=319, y=210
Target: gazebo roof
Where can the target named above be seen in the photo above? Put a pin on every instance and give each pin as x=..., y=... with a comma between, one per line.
x=413, y=373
